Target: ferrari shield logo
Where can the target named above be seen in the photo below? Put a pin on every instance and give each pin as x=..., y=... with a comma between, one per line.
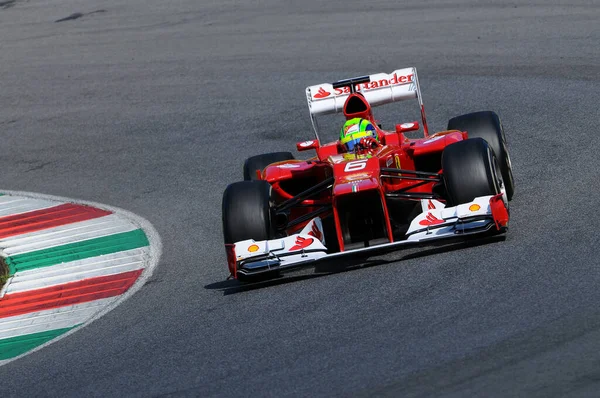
x=397, y=161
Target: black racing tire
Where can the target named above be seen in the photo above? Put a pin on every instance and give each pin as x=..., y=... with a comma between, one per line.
x=247, y=214
x=470, y=170
x=246, y=211
x=487, y=125
x=259, y=162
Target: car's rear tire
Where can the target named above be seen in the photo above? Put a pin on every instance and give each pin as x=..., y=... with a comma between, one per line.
x=487, y=125
x=259, y=162
x=470, y=170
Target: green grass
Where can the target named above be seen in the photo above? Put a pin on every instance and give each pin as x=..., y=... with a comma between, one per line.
x=3, y=272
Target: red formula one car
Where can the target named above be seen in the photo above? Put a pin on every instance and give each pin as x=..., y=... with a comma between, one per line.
x=392, y=193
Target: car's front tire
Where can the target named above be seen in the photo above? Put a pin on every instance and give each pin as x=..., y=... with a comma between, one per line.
x=487, y=125
x=247, y=214
x=470, y=170
x=247, y=211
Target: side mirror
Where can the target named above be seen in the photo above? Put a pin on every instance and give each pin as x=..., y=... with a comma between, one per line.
x=306, y=145
x=406, y=127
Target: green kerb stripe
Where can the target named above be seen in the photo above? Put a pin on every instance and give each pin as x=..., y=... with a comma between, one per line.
x=10, y=348
x=77, y=251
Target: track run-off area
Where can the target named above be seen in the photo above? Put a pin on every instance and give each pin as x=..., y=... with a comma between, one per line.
x=152, y=107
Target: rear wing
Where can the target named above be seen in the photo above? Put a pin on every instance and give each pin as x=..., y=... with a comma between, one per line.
x=378, y=89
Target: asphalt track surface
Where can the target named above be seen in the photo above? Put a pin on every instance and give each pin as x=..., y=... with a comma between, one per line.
x=152, y=106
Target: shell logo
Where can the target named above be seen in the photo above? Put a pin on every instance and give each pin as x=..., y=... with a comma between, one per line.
x=474, y=207
x=253, y=248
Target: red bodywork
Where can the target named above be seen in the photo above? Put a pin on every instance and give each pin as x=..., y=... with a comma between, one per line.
x=352, y=174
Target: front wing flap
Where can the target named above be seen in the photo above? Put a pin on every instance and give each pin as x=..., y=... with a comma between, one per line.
x=485, y=215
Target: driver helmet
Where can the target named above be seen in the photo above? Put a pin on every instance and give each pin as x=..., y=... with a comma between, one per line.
x=354, y=130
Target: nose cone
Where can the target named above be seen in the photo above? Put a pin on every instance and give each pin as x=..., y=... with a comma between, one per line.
x=355, y=176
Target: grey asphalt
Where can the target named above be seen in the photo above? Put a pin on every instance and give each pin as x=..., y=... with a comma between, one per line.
x=152, y=106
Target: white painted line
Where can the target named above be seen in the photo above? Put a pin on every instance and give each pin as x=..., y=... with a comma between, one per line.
x=61, y=230
x=73, y=271
x=42, y=321
x=70, y=233
x=12, y=205
x=10, y=200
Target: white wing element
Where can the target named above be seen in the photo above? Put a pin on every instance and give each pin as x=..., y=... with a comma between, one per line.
x=307, y=244
x=428, y=204
x=384, y=88
x=483, y=215
x=438, y=220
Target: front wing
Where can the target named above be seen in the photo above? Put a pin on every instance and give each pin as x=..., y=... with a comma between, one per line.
x=437, y=224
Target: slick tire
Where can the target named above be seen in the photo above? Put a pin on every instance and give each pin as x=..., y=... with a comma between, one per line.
x=259, y=162
x=487, y=125
x=246, y=211
x=470, y=170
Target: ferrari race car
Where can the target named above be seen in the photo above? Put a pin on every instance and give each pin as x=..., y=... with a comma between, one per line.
x=290, y=213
